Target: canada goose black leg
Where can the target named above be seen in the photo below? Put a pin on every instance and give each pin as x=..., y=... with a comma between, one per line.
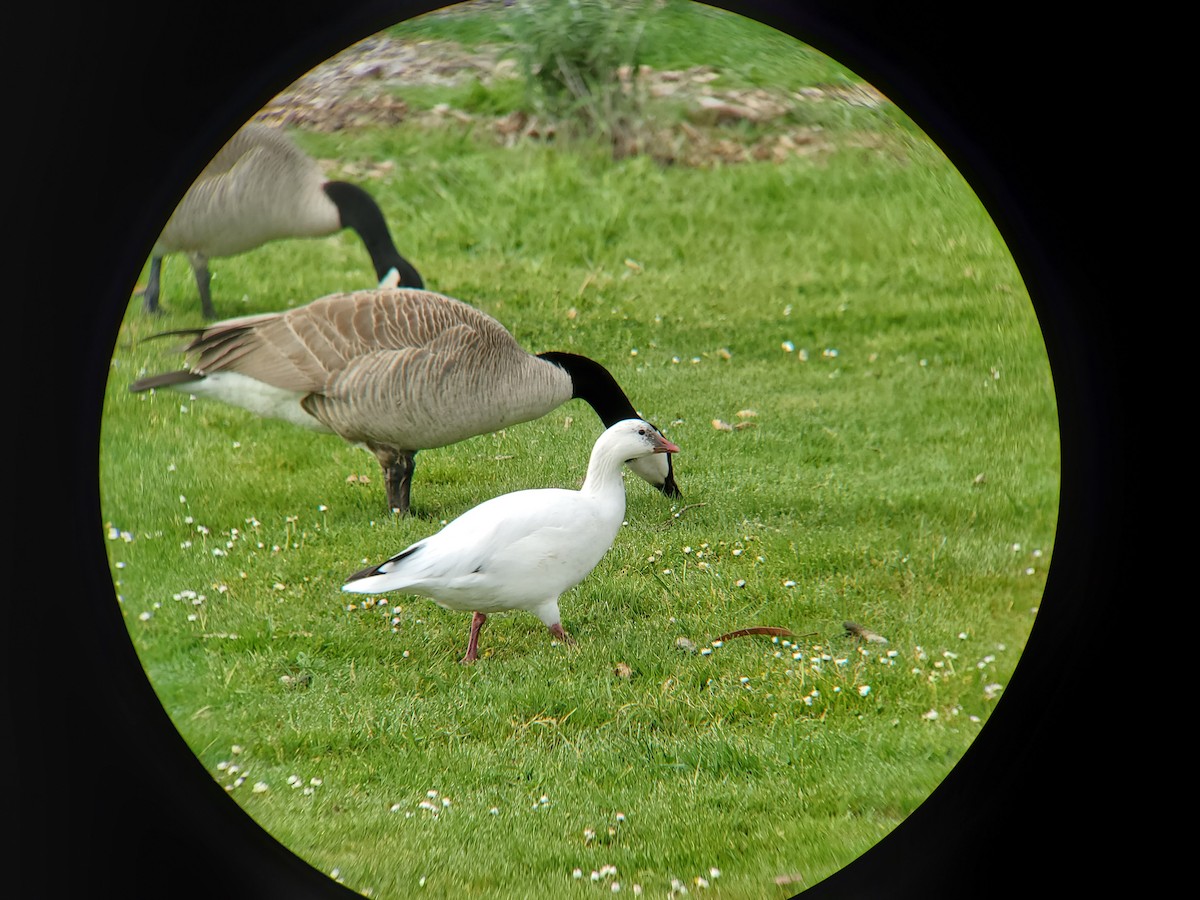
x=150, y=295
x=200, y=269
x=398, y=466
x=477, y=621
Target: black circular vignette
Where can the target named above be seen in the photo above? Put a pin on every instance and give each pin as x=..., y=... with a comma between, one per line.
x=112, y=802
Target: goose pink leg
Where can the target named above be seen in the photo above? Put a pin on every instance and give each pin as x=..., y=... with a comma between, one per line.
x=477, y=621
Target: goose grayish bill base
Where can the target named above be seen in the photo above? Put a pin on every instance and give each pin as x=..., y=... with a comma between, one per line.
x=524, y=549
x=395, y=371
x=261, y=187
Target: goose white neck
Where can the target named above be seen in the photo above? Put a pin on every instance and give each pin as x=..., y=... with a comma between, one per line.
x=604, y=479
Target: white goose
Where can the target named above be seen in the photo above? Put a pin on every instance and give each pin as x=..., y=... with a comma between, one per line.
x=261, y=187
x=394, y=371
x=521, y=550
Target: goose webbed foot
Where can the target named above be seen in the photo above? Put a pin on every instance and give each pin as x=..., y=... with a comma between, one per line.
x=557, y=630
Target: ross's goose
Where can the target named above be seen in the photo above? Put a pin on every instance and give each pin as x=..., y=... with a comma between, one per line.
x=521, y=550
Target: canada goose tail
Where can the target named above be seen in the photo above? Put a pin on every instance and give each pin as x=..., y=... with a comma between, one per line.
x=179, y=332
x=359, y=212
x=169, y=379
x=165, y=380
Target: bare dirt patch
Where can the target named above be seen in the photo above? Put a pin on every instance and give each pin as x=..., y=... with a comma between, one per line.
x=364, y=86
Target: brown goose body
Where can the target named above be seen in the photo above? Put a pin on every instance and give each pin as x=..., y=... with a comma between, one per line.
x=395, y=371
x=262, y=187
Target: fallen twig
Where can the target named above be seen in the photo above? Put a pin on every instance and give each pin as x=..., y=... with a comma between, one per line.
x=681, y=511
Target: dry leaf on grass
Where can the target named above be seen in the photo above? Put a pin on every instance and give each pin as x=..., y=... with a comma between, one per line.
x=771, y=630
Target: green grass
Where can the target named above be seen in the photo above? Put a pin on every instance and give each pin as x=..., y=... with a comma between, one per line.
x=908, y=482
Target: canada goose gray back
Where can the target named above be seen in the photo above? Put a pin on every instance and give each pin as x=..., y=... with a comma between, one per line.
x=261, y=187
x=395, y=371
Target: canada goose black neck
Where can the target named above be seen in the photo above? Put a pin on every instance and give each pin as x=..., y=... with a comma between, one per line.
x=595, y=385
x=358, y=211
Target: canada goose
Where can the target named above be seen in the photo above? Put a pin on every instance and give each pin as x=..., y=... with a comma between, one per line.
x=261, y=187
x=395, y=371
x=521, y=550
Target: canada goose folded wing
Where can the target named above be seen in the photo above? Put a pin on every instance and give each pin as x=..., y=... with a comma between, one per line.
x=265, y=349
x=340, y=327
x=392, y=397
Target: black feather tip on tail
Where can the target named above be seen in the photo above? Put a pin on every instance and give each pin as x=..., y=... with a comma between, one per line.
x=363, y=573
x=378, y=570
